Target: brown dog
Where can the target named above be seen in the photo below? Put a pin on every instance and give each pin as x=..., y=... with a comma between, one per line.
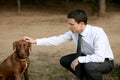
x=17, y=63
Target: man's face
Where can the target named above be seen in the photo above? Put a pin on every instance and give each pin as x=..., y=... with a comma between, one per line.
x=74, y=26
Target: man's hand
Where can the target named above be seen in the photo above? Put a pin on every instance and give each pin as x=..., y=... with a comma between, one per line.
x=28, y=39
x=74, y=63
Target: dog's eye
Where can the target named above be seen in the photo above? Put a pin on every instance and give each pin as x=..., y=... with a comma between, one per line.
x=19, y=46
x=25, y=45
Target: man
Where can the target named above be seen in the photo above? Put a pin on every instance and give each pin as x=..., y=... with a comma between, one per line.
x=96, y=55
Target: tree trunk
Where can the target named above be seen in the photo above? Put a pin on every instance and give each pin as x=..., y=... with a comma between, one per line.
x=19, y=6
x=102, y=7
x=67, y=4
x=94, y=7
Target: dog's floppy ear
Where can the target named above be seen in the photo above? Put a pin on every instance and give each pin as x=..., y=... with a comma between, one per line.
x=14, y=45
x=29, y=45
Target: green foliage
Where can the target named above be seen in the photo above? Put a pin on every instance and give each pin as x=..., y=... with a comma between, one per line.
x=47, y=67
x=45, y=2
x=48, y=71
x=53, y=71
x=116, y=71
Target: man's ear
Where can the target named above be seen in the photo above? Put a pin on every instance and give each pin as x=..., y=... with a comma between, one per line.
x=14, y=45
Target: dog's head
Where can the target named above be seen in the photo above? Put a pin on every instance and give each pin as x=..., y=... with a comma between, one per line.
x=22, y=48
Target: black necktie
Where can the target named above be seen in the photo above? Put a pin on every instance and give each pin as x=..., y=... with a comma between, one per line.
x=79, y=46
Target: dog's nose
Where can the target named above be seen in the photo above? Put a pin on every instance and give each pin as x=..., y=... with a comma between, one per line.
x=21, y=54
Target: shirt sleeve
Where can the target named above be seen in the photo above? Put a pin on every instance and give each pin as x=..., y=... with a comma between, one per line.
x=55, y=40
x=100, y=48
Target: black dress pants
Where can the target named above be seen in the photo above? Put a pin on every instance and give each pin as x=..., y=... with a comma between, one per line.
x=88, y=71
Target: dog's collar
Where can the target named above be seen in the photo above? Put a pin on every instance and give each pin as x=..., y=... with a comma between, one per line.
x=23, y=59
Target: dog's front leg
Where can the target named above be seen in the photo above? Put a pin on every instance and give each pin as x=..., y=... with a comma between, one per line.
x=17, y=77
x=26, y=76
x=2, y=78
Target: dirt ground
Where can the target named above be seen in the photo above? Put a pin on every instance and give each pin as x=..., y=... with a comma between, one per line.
x=37, y=25
x=44, y=24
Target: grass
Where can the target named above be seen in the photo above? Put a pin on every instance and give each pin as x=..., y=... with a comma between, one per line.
x=47, y=67
x=116, y=72
x=49, y=71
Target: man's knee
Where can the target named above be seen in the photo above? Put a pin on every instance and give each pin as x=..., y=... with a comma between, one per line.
x=62, y=60
x=67, y=59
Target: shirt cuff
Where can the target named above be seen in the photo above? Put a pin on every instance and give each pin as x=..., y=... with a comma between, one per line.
x=39, y=42
x=82, y=59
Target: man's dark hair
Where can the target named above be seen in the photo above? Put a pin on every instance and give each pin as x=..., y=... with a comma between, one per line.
x=78, y=15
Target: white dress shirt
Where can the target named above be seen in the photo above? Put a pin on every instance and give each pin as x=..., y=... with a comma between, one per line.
x=95, y=44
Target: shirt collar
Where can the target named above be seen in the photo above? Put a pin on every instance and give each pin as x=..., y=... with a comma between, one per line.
x=84, y=33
